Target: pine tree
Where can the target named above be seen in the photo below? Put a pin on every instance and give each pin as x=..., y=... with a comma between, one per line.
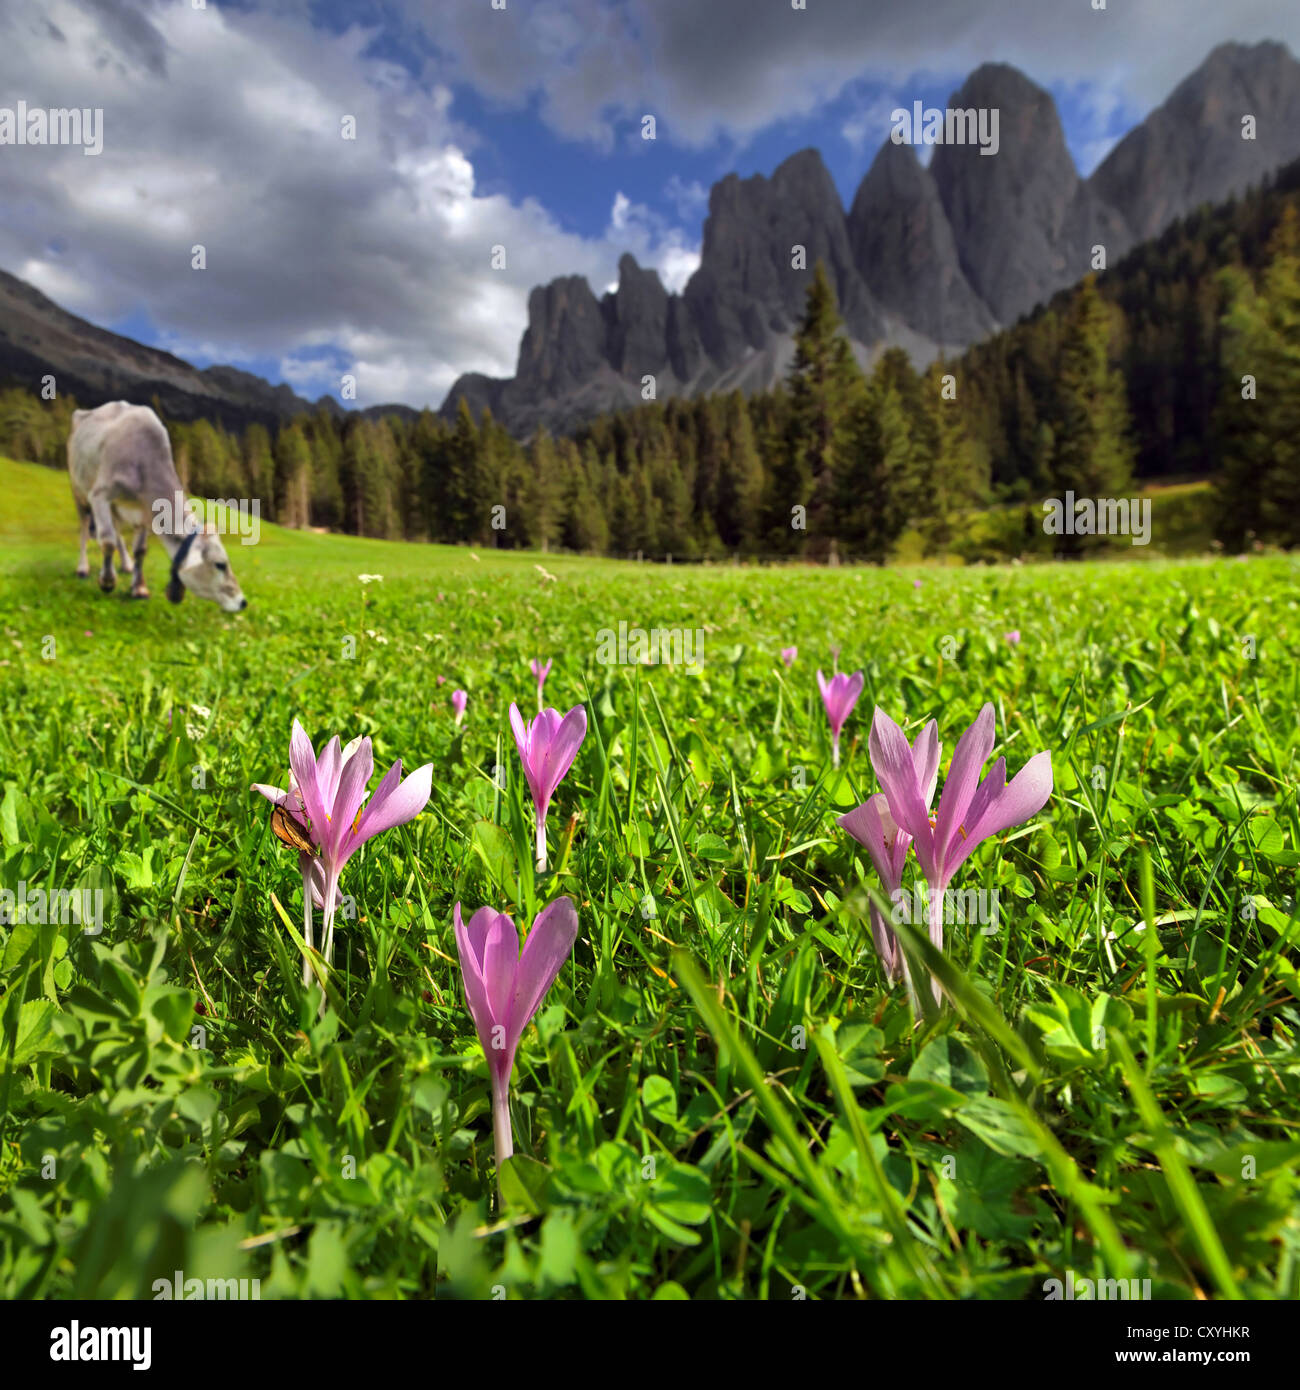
x=292, y=471
x=540, y=500
x=740, y=482
x=1093, y=454
x=824, y=383
x=259, y=468
x=957, y=470
x=1258, y=422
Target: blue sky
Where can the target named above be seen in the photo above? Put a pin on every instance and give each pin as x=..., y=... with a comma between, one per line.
x=479, y=128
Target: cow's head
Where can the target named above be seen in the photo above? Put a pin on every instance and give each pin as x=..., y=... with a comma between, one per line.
x=202, y=566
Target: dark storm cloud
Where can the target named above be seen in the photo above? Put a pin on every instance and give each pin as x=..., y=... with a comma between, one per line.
x=731, y=67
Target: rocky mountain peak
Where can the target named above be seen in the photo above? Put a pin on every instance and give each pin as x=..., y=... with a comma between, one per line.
x=1192, y=150
x=903, y=248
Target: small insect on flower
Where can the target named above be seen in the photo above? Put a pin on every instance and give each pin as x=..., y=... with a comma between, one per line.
x=287, y=830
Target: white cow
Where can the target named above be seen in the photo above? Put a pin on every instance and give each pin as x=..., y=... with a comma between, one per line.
x=120, y=464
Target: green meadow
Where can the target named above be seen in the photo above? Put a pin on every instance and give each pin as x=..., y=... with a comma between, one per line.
x=722, y=1097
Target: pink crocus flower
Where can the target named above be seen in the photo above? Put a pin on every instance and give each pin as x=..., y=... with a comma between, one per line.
x=547, y=747
x=788, y=655
x=839, y=695
x=872, y=825
x=540, y=674
x=325, y=799
x=458, y=702
x=916, y=583
x=1013, y=637
x=970, y=811
x=442, y=680
x=504, y=989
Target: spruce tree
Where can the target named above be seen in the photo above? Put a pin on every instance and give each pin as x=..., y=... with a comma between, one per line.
x=824, y=382
x=1257, y=426
x=1093, y=452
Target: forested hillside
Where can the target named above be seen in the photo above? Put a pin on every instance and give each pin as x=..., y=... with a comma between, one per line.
x=1183, y=359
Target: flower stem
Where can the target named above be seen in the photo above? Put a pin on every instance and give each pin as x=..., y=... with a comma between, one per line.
x=501, y=1132
x=327, y=930
x=306, y=926
x=835, y=750
x=541, y=841
x=936, y=934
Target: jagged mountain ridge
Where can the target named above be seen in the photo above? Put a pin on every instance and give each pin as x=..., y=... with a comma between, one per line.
x=39, y=339
x=929, y=259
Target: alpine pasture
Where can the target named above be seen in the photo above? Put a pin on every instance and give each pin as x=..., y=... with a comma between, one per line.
x=722, y=1095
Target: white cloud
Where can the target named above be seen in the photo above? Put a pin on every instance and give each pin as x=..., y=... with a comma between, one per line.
x=731, y=68
x=645, y=234
x=869, y=126
x=372, y=256
x=689, y=199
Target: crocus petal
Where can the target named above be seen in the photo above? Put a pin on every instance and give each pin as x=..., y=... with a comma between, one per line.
x=969, y=757
x=875, y=829
x=327, y=772
x=313, y=876
x=925, y=755
x=350, y=792
x=500, y=964
x=1022, y=799
x=562, y=749
x=397, y=804
x=469, y=946
x=273, y=794
x=884, y=939
x=302, y=759
x=521, y=732
x=547, y=948
x=849, y=692
x=1005, y=806
x=891, y=757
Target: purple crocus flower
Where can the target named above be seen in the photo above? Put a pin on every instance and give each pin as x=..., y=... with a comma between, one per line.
x=839, y=695
x=458, y=702
x=788, y=655
x=872, y=825
x=970, y=810
x=1013, y=637
x=504, y=989
x=324, y=800
x=540, y=674
x=547, y=747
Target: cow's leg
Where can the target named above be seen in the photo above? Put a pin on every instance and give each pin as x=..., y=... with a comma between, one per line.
x=138, y=589
x=106, y=534
x=123, y=555
x=83, y=561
